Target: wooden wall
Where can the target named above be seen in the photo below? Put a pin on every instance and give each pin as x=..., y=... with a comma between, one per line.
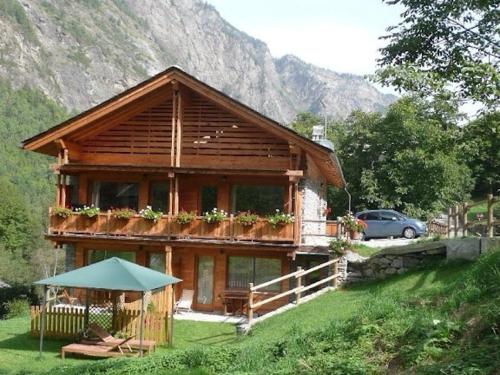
x=210, y=137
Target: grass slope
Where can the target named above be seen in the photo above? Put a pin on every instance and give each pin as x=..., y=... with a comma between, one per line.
x=442, y=319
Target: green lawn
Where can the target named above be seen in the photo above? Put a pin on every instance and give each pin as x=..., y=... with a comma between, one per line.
x=19, y=351
x=365, y=250
x=368, y=323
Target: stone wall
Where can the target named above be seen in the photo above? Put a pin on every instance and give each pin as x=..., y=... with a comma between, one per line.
x=396, y=260
x=314, y=205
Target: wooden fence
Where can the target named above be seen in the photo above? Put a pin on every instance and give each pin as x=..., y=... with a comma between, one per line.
x=458, y=220
x=297, y=291
x=69, y=323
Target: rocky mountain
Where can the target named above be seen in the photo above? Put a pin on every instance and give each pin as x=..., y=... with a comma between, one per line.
x=81, y=52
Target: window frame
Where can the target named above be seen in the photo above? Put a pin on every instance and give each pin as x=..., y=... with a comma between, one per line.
x=254, y=258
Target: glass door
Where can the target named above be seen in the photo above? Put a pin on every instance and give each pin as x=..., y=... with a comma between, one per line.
x=205, y=281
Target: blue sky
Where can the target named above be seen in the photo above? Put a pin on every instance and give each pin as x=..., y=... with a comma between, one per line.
x=341, y=35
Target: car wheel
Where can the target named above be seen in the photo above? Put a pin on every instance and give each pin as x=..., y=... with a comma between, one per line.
x=409, y=233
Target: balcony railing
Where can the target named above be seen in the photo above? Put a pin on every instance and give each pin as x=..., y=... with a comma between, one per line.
x=166, y=227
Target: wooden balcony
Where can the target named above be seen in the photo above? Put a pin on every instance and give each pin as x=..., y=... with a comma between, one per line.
x=167, y=228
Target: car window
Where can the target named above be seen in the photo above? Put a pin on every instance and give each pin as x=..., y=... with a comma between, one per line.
x=372, y=216
x=386, y=215
x=362, y=217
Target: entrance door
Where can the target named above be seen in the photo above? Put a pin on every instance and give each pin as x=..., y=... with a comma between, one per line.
x=205, y=282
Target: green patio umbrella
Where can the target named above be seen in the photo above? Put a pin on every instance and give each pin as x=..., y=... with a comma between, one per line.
x=110, y=274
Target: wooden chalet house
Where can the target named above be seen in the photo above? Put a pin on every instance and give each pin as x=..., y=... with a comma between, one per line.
x=178, y=145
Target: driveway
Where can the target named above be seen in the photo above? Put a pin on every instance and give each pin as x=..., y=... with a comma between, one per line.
x=387, y=242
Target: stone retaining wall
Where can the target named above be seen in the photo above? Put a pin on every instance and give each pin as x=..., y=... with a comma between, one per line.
x=396, y=260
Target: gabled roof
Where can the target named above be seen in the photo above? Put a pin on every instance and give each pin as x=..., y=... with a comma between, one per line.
x=324, y=156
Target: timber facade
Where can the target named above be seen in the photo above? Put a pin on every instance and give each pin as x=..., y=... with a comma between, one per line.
x=177, y=145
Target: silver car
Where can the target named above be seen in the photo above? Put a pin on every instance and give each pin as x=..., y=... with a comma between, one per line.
x=387, y=223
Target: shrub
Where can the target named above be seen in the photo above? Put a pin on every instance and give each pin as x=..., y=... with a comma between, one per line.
x=62, y=212
x=90, y=212
x=13, y=293
x=16, y=308
x=184, y=217
x=149, y=214
x=215, y=216
x=280, y=218
x=247, y=219
x=123, y=213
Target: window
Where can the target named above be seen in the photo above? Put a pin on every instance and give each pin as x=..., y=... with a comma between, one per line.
x=156, y=261
x=245, y=270
x=108, y=195
x=371, y=216
x=388, y=216
x=94, y=256
x=259, y=199
x=158, y=196
x=208, y=198
x=205, y=283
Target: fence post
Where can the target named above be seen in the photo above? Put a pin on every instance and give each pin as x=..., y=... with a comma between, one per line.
x=465, y=220
x=250, y=304
x=456, y=220
x=450, y=213
x=298, y=293
x=490, y=216
x=335, y=270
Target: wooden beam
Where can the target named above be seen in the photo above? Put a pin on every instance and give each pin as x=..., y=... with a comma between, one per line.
x=174, y=127
x=179, y=130
x=176, y=195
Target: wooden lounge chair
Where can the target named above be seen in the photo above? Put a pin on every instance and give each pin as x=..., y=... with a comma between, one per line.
x=105, y=339
x=93, y=350
x=64, y=297
x=186, y=300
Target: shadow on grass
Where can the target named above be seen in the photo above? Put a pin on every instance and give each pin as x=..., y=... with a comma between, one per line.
x=26, y=342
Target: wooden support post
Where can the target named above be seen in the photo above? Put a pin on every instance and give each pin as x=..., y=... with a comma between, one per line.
x=179, y=131
x=42, y=318
x=298, y=293
x=58, y=190
x=465, y=220
x=231, y=227
x=250, y=304
x=176, y=195
x=335, y=270
x=171, y=196
x=63, y=191
x=141, y=338
x=450, y=219
x=171, y=320
x=108, y=221
x=168, y=270
x=174, y=126
x=489, y=225
x=65, y=156
x=456, y=220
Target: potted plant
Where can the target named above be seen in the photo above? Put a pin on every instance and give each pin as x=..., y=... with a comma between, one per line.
x=185, y=217
x=339, y=247
x=246, y=219
x=279, y=218
x=149, y=214
x=89, y=212
x=123, y=213
x=353, y=226
x=62, y=212
x=215, y=216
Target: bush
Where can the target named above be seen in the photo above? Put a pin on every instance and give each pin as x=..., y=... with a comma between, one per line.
x=16, y=308
x=14, y=293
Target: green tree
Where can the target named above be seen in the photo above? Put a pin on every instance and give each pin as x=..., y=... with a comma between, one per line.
x=445, y=46
x=304, y=122
x=481, y=150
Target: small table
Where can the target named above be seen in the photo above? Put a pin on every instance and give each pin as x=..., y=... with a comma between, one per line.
x=238, y=299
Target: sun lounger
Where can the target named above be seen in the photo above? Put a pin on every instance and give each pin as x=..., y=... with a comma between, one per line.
x=98, y=350
x=105, y=339
x=186, y=300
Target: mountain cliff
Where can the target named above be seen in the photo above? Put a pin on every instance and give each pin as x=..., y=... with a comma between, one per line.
x=81, y=52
